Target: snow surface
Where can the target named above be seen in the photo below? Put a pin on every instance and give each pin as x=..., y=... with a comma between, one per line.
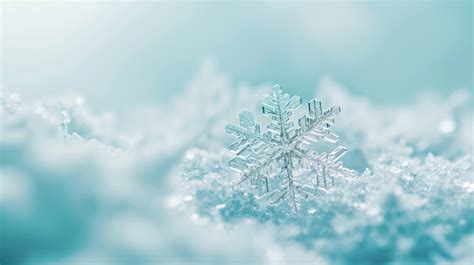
x=81, y=187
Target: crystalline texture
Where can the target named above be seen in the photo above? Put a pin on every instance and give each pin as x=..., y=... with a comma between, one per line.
x=279, y=163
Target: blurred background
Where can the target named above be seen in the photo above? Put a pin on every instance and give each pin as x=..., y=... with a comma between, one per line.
x=146, y=51
x=113, y=148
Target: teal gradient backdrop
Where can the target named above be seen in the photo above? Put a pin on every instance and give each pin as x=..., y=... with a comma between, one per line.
x=148, y=51
x=112, y=131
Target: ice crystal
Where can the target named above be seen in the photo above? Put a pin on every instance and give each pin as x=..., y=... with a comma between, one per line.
x=279, y=163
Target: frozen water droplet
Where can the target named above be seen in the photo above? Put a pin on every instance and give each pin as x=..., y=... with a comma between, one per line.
x=220, y=206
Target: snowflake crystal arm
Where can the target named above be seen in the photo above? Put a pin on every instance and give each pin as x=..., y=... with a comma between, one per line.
x=254, y=151
x=317, y=125
x=279, y=108
x=279, y=163
x=314, y=128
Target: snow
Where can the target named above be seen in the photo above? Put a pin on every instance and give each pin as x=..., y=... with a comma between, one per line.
x=155, y=187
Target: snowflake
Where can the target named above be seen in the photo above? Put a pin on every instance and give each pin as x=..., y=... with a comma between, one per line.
x=279, y=163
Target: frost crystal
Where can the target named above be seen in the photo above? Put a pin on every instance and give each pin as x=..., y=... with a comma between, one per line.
x=279, y=163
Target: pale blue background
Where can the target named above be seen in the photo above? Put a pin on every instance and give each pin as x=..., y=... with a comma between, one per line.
x=146, y=52
x=70, y=199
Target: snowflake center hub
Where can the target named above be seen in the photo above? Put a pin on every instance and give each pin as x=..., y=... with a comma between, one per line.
x=285, y=148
